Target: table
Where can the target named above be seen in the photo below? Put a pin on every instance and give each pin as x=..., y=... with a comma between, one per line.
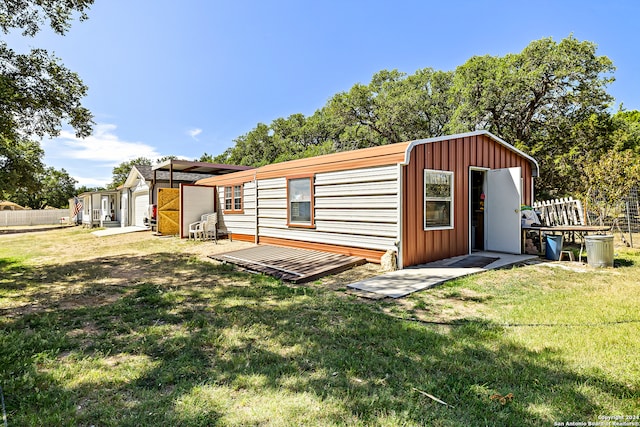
x=580, y=229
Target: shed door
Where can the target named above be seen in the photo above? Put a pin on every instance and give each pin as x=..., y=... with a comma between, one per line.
x=140, y=206
x=504, y=195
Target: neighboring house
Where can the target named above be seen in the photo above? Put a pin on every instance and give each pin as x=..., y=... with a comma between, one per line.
x=140, y=189
x=101, y=208
x=425, y=200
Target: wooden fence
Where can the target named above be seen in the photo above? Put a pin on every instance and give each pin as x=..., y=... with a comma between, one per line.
x=33, y=217
x=565, y=211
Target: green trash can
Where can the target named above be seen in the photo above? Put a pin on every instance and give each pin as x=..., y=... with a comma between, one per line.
x=599, y=250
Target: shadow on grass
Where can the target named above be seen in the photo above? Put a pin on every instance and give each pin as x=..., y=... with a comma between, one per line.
x=167, y=340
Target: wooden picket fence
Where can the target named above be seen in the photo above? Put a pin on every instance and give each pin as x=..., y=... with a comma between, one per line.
x=566, y=211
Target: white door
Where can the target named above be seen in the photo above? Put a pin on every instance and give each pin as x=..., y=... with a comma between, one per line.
x=105, y=208
x=502, y=204
x=140, y=206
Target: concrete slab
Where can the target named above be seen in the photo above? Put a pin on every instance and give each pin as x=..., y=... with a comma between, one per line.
x=118, y=230
x=401, y=283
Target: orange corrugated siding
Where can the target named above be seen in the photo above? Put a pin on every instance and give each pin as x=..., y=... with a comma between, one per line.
x=455, y=155
x=370, y=255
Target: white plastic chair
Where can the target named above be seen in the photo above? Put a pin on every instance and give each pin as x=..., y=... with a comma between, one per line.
x=196, y=229
x=210, y=228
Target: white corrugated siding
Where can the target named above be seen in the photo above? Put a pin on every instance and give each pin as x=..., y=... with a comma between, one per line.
x=236, y=223
x=357, y=208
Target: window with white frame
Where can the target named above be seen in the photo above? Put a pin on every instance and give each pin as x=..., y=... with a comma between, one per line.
x=438, y=199
x=300, y=201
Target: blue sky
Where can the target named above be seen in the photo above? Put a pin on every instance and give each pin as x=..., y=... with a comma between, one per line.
x=184, y=78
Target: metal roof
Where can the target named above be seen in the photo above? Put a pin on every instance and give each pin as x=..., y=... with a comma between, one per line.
x=204, y=168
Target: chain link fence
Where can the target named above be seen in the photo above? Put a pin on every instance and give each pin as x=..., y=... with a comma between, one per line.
x=623, y=217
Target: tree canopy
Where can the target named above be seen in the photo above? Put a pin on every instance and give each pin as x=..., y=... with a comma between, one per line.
x=54, y=189
x=38, y=94
x=550, y=100
x=121, y=172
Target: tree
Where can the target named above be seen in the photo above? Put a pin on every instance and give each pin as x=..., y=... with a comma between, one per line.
x=86, y=189
x=609, y=180
x=535, y=100
x=206, y=158
x=20, y=163
x=393, y=107
x=550, y=100
x=55, y=188
x=627, y=130
x=30, y=15
x=37, y=93
x=121, y=172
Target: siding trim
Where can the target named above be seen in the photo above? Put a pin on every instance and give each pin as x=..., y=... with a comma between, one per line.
x=370, y=255
x=243, y=237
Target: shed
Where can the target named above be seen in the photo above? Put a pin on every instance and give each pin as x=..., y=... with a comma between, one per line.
x=425, y=200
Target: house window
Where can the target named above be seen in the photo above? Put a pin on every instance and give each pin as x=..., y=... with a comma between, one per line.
x=233, y=199
x=438, y=199
x=300, y=202
x=237, y=198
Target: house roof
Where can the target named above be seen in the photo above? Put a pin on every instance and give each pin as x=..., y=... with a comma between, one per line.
x=398, y=153
x=87, y=193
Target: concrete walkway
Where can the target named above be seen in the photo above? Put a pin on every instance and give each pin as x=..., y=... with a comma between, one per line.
x=397, y=284
x=118, y=230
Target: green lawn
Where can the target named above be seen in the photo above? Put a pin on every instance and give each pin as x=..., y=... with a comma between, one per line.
x=137, y=330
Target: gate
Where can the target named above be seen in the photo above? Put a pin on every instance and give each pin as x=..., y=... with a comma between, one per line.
x=168, y=211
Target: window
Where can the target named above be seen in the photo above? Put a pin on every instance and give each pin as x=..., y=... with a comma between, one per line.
x=438, y=199
x=227, y=198
x=233, y=199
x=237, y=198
x=300, y=202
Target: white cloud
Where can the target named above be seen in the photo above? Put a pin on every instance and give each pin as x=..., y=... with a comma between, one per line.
x=193, y=133
x=102, y=146
x=92, y=181
x=91, y=160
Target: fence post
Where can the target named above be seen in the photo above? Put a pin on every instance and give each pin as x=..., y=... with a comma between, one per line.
x=629, y=223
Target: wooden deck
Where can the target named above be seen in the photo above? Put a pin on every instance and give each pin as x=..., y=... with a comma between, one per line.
x=290, y=264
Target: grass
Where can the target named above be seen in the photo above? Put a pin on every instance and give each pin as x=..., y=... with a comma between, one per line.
x=136, y=330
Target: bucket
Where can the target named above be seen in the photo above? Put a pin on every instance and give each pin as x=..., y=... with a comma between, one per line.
x=599, y=251
x=553, y=247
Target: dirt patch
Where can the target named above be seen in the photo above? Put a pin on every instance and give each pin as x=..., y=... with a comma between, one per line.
x=74, y=269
